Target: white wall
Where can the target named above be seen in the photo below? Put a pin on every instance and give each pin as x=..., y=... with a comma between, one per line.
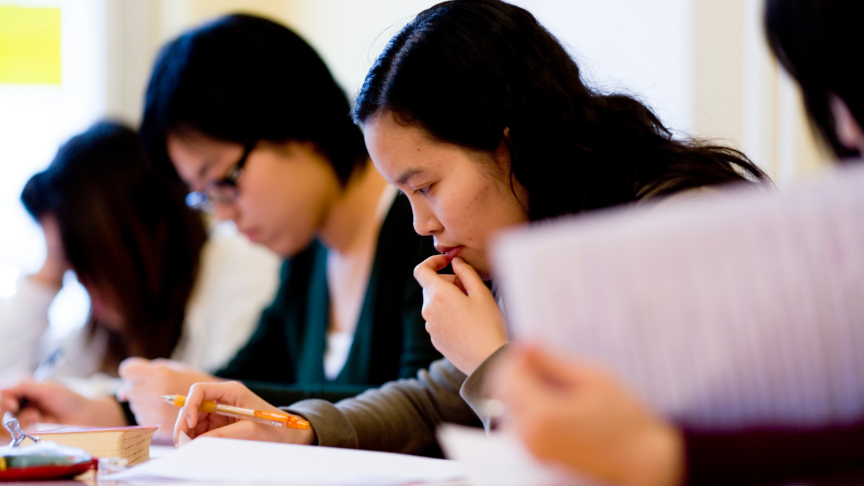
x=637, y=47
x=700, y=64
x=34, y=121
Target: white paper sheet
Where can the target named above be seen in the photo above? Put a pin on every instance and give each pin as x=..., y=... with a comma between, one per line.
x=208, y=460
x=498, y=459
x=733, y=310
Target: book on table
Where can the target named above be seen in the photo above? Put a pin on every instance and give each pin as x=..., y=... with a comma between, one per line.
x=130, y=443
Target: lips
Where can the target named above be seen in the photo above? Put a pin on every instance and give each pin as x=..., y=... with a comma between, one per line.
x=450, y=252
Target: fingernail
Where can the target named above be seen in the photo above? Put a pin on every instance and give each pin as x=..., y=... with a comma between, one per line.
x=189, y=421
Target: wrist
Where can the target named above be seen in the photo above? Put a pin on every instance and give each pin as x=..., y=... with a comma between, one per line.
x=298, y=436
x=491, y=350
x=658, y=458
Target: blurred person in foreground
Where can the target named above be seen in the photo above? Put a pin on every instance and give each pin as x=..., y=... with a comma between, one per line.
x=576, y=416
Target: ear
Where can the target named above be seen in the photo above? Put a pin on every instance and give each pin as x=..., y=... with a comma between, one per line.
x=502, y=153
x=502, y=157
x=849, y=132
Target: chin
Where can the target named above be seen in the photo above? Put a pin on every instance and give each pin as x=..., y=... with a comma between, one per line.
x=288, y=249
x=480, y=267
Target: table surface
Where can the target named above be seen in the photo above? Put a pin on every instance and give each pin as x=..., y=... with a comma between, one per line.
x=157, y=451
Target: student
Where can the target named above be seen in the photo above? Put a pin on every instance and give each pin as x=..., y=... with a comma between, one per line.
x=251, y=119
x=479, y=116
x=817, y=42
x=159, y=286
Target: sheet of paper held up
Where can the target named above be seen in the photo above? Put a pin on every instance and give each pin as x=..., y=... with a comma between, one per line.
x=208, y=460
x=719, y=312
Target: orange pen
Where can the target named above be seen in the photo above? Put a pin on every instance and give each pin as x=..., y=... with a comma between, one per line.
x=279, y=419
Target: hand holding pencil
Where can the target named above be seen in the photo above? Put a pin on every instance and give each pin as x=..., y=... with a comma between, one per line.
x=233, y=411
x=277, y=419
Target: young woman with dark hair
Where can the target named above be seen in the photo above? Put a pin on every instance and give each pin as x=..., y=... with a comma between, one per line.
x=479, y=116
x=159, y=286
x=248, y=116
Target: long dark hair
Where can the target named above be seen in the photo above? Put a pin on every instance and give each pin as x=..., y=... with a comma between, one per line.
x=818, y=42
x=467, y=69
x=125, y=229
x=242, y=78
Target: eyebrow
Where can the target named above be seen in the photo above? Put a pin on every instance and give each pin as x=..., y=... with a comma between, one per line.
x=403, y=179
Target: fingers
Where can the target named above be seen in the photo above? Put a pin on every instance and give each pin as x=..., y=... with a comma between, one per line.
x=471, y=281
x=426, y=273
x=33, y=392
x=435, y=262
x=467, y=280
x=228, y=393
x=133, y=368
x=453, y=279
x=189, y=411
x=31, y=416
x=181, y=426
x=195, y=423
x=242, y=429
x=9, y=402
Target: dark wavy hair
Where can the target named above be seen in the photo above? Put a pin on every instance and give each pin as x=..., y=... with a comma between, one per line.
x=242, y=78
x=126, y=229
x=465, y=70
x=818, y=42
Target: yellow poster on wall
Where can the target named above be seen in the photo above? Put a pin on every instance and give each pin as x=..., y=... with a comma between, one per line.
x=29, y=45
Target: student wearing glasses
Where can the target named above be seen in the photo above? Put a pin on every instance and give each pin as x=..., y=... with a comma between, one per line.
x=480, y=117
x=159, y=285
x=249, y=117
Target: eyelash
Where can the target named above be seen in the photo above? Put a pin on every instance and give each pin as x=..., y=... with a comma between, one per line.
x=424, y=190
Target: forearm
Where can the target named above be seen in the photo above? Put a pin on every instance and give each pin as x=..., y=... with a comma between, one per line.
x=401, y=416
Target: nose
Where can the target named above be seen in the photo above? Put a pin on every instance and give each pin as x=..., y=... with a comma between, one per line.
x=225, y=211
x=425, y=221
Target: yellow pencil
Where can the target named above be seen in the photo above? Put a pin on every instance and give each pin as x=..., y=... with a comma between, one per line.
x=279, y=419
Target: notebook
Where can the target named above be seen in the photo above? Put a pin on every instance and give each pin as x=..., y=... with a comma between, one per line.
x=130, y=443
x=743, y=308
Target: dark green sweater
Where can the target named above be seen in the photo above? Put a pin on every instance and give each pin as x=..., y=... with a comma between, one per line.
x=283, y=362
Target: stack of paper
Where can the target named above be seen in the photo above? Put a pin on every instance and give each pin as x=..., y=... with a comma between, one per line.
x=744, y=308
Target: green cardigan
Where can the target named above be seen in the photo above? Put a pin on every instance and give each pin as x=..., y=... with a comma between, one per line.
x=283, y=362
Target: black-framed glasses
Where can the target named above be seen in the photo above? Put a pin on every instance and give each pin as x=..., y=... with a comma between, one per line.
x=224, y=190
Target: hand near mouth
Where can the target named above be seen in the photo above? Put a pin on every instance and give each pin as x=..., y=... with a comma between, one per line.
x=464, y=321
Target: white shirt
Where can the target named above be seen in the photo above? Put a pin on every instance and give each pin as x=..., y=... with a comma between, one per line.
x=236, y=280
